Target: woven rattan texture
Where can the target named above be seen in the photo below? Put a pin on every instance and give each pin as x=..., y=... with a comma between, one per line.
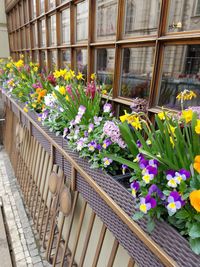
x=127, y=239
x=41, y=139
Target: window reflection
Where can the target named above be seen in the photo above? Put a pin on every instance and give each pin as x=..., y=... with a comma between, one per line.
x=181, y=70
x=65, y=17
x=43, y=57
x=106, y=18
x=81, y=61
x=53, y=59
x=42, y=33
x=136, y=72
x=105, y=59
x=33, y=8
x=82, y=21
x=66, y=59
x=34, y=35
x=41, y=5
x=141, y=17
x=51, y=4
x=52, y=30
x=184, y=15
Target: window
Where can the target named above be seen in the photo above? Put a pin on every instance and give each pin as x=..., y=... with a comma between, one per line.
x=51, y=4
x=106, y=19
x=81, y=61
x=52, y=30
x=42, y=6
x=42, y=33
x=34, y=35
x=105, y=60
x=65, y=24
x=43, y=58
x=136, y=72
x=82, y=21
x=53, y=59
x=66, y=58
x=197, y=10
x=181, y=70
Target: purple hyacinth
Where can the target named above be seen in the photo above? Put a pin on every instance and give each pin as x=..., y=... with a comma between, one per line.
x=106, y=143
x=147, y=203
x=135, y=186
x=107, y=108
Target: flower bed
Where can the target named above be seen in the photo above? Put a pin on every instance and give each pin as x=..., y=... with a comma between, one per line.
x=163, y=161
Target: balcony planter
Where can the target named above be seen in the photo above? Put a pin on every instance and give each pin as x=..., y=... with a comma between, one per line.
x=166, y=238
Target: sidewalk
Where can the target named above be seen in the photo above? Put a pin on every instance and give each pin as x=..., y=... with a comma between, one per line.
x=25, y=247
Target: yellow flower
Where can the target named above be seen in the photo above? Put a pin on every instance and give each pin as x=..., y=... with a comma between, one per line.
x=195, y=199
x=63, y=72
x=172, y=141
x=34, y=105
x=39, y=118
x=79, y=76
x=196, y=164
x=67, y=97
x=135, y=122
x=67, y=76
x=161, y=115
x=186, y=95
x=93, y=76
x=187, y=115
x=35, y=69
x=104, y=92
x=123, y=118
x=197, y=127
x=19, y=64
x=62, y=90
x=9, y=65
x=31, y=64
x=20, y=94
x=72, y=73
x=25, y=109
x=172, y=130
x=56, y=74
x=54, y=95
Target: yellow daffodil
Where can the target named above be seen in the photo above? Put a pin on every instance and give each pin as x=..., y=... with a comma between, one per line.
x=93, y=76
x=56, y=74
x=124, y=117
x=131, y=119
x=79, y=76
x=35, y=69
x=186, y=95
x=9, y=65
x=67, y=97
x=187, y=115
x=63, y=72
x=104, y=92
x=19, y=64
x=197, y=127
x=172, y=141
x=161, y=115
x=62, y=90
x=172, y=130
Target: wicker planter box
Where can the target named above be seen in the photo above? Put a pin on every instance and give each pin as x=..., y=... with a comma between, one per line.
x=165, y=236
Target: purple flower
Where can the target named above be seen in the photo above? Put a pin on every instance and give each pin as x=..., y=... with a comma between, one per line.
x=107, y=108
x=92, y=146
x=97, y=120
x=124, y=168
x=147, y=177
x=78, y=118
x=107, y=162
x=185, y=173
x=86, y=133
x=135, y=187
x=98, y=147
x=81, y=110
x=80, y=144
x=172, y=182
x=138, y=143
x=174, y=202
x=170, y=172
x=153, y=162
x=90, y=127
x=139, y=157
x=65, y=132
x=143, y=163
x=154, y=189
x=45, y=114
x=106, y=143
x=147, y=203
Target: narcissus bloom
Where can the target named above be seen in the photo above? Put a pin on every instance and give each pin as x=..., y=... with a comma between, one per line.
x=197, y=127
x=195, y=199
x=187, y=115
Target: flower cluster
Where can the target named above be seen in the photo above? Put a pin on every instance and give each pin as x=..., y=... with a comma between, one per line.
x=112, y=130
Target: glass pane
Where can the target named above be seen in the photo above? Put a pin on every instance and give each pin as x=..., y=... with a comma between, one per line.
x=181, y=70
x=34, y=35
x=33, y=9
x=52, y=30
x=106, y=19
x=81, y=61
x=52, y=4
x=82, y=21
x=137, y=70
x=43, y=59
x=65, y=17
x=66, y=59
x=105, y=60
x=35, y=56
x=41, y=5
x=53, y=59
x=141, y=17
x=42, y=33
x=23, y=40
x=184, y=15
x=28, y=42
x=21, y=13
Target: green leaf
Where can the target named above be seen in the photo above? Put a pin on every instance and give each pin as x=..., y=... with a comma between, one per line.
x=138, y=215
x=195, y=245
x=166, y=192
x=182, y=214
x=197, y=217
x=194, y=231
x=150, y=226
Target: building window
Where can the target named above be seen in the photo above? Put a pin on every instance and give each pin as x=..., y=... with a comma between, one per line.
x=181, y=70
x=82, y=21
x=136, y=72
x=106, y=19
x=42, y=33
x=52, y=30
x=105, y=61
x=81, y=61
x=66, y=59
x=197, y=9
x=65, y=24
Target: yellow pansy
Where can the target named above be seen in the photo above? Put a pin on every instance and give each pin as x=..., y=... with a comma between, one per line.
x=197, y=127
x=187, y=115
x=196, y=164
x=62, y=90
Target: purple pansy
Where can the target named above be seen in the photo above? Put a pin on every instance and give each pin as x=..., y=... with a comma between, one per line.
x=135, y=187
x=107, y=108
x=80, y=144
x=92, y=146
x=97, y=120
x=174, y=202
x=90, y=127
x=154, y=189
x=147, y=203
x=185, y=173
x=106, y=143
x=78, y=118
x=124, y=168
x=138, y=143
x=107, y=162
x=98, y=147
x=81, y=110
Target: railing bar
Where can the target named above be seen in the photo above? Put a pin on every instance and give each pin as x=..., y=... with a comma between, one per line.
x=113, y=253
x=99, y=245
x=131, y=263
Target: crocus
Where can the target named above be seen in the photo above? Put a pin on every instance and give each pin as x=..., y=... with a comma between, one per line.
x=107, y=108
x=147, y=203
x=135, y=187
x=107, y=162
